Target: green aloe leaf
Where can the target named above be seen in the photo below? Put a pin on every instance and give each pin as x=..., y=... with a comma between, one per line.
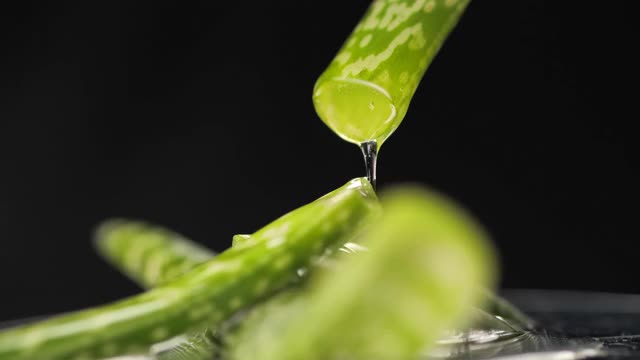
x=149, y=255
x=365, y=92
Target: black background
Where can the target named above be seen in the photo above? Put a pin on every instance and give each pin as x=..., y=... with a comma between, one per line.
x=198, y=116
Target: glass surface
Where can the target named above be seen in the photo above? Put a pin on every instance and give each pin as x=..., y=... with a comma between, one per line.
x=570, y=325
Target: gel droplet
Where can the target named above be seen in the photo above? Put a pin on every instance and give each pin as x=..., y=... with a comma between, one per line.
x=370, y=153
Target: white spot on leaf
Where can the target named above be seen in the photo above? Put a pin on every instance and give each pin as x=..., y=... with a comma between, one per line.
x=365, y=40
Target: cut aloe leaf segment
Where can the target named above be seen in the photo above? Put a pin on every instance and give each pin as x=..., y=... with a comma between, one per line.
x=365, y=92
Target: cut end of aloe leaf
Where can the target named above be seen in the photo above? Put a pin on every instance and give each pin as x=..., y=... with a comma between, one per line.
x=358, y=111
x=239, y=239
x=363, y=186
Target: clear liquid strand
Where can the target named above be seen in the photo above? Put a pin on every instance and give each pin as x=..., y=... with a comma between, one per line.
x=370, y=153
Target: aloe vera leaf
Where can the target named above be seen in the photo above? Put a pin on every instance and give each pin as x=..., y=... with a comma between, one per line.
x=209, y=294
x=422, y=275
x=149, y=255
x=365, y=92
x=152, y=255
